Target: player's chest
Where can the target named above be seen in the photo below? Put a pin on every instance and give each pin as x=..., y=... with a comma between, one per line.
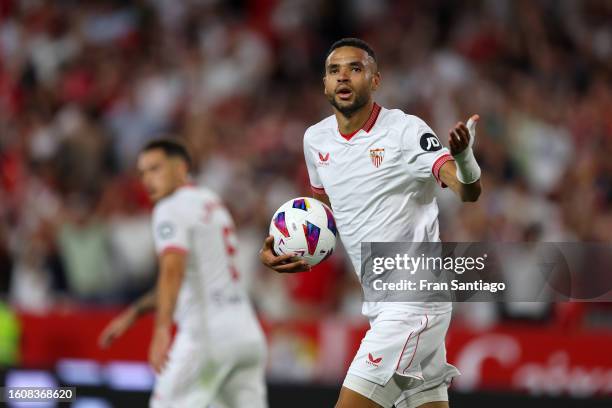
x=369, y=160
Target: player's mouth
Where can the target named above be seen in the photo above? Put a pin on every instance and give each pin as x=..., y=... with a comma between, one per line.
x=344, y=92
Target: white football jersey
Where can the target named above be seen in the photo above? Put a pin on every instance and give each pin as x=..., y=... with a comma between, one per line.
x=212, y=302
x=380, y=181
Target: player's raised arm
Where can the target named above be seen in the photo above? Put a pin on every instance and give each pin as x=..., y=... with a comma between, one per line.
x=463, y=174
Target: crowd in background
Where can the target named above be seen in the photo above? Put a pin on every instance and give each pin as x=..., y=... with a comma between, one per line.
x=83, y=85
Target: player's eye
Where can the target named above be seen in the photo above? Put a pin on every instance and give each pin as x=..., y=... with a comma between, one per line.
x=356, y=69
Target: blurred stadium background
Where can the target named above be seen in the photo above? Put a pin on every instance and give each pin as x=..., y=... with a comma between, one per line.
x=83, y=85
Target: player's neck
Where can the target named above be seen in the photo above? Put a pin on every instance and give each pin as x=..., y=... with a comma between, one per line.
x=350, y=124
x=183, y=184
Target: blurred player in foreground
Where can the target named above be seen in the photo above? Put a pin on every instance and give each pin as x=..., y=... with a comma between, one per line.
x=218, y=354
x=378, y=169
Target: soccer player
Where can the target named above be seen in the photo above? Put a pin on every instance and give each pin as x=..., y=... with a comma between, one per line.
x=218, y=354
x=378, y=169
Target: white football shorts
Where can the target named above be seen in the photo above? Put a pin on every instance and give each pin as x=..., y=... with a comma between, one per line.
x=402, y=360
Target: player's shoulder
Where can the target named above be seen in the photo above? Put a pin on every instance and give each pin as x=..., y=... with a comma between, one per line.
x=321, y=128
x=167, y=206
x=400, y=120
x=183, y=199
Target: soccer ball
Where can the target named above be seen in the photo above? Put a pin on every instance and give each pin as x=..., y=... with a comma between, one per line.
x=306, y=228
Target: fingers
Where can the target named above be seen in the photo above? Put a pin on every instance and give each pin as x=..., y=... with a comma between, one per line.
x=157, y=364
x=452, y=142
x=299, y=266
x=157, y=358
x=268, y=256
x=268, y=243
x=282, y=259
x=286, y=263
x=472, y=122
x=109, y=335
x=116, y=328
x=471, y=125
x=459, y=138
x=105, y=339
x=463, y=133
x=270, y=259
x=160, y=363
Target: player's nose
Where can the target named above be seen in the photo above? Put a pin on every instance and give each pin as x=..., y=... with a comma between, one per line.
x=343, y=75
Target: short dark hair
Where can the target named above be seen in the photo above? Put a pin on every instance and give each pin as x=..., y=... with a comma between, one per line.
x=171, y=147
x=352, y=42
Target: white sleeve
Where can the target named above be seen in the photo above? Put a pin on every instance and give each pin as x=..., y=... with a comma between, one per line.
x=423, y=150
x=311, y=165
x=170, y=231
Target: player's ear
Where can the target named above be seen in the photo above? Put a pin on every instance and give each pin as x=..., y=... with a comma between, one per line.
x=186, y=167
x=181, y=166
x=324, y=80
x=375, y=81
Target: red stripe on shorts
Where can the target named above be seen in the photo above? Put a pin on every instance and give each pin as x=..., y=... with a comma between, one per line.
x=417, y=344
x=402, y=353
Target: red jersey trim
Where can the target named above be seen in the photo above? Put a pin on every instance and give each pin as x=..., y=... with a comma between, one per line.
x=372, y=119
x=435, y=169
x=368, y=125
x=350, y=135
x=318, y=190
x=173, y=248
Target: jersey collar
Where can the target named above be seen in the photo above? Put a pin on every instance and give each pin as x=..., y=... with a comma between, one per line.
x=367, y=126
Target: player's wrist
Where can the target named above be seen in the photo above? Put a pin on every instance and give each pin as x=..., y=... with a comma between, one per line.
x=468, y=170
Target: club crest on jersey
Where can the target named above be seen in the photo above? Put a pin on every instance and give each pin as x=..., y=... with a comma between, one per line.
x=377, y=156
x=323, y=159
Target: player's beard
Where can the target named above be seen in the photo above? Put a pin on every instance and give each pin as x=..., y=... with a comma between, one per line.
x=361, y=100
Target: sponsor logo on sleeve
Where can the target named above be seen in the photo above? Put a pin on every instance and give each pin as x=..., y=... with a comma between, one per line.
x=430, y=143
x=165, y=230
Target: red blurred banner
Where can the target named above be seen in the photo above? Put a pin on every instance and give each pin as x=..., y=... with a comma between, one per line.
x=547, y=360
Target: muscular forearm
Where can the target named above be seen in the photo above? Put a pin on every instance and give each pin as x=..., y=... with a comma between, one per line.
x=169, y=284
